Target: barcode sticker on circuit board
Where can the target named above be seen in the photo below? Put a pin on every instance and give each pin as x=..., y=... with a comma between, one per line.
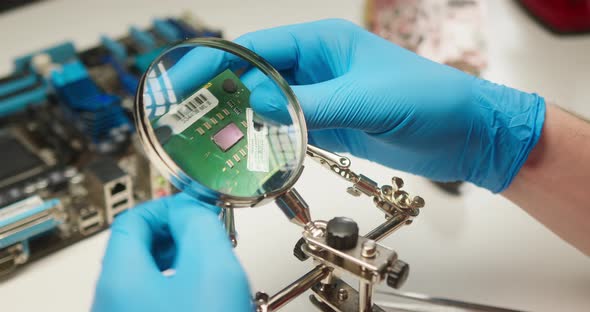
x=258, y=149
x=189, y=111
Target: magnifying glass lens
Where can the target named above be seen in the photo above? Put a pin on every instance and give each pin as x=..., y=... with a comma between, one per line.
x=215, y=116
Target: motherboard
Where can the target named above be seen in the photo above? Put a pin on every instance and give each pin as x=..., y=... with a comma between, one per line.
x=70, y=162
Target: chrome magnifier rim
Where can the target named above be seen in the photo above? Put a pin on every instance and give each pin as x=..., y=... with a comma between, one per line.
x=170, y=170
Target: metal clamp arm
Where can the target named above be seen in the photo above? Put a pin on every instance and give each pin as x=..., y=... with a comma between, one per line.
x=389, y=198
x=336, y=163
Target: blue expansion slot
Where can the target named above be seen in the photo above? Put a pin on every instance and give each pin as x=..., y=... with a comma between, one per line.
x=24, y=88
x=166, y=30
x=127, y=80
x=60, y=54
x=143, y=39
x=188, y=31
x=143, y=61
x=22, y=100
x=185, y=30
x=15, y=83
x=94, y=111
x=115, y=48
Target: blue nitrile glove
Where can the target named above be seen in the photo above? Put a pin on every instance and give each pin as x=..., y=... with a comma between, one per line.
x=364, y=95
x=176, y=232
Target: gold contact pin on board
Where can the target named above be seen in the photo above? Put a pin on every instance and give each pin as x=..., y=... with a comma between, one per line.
x=213, y=120
x=243, y=152
x=219, y=116
x=225, y=111
x=229, y=163
x=237, y=158
x=200, y=131
x=207, y=125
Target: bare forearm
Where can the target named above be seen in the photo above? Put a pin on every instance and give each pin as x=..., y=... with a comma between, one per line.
x=553, y=185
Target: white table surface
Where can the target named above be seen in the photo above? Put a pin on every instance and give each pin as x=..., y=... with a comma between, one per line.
x=477, y=247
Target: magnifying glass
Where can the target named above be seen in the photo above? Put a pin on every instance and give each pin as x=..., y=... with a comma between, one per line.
x=222, y=125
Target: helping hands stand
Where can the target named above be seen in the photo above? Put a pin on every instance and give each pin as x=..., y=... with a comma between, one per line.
x=336, y=247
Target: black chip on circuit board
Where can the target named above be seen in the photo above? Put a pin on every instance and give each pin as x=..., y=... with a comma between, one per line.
x=17, y=162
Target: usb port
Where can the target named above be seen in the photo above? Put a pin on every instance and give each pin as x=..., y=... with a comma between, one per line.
x=88, y=215
x=90, y=220
x=91, y=227
x=120, y=203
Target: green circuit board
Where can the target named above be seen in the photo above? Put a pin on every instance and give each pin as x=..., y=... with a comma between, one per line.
x=212, y=146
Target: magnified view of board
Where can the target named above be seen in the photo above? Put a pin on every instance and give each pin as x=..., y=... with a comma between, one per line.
x=221, y=123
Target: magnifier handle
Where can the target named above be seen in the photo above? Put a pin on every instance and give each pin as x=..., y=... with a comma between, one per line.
x=227, y=215
x=294, y=208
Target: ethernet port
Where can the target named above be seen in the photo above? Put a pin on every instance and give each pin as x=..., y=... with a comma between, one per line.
x=118, y=188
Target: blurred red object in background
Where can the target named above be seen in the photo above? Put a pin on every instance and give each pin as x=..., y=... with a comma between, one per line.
x=560, y=16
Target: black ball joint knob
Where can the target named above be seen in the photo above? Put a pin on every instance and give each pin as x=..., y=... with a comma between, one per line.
x=298, y=252
x=342, y=233
x=398, y=274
